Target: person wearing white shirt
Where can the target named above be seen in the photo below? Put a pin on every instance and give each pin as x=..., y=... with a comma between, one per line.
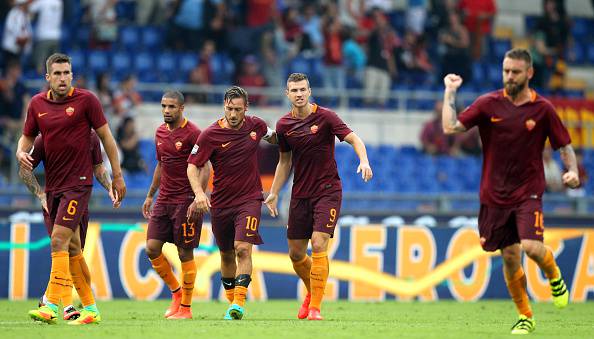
x=48, y=30
x=17, y=32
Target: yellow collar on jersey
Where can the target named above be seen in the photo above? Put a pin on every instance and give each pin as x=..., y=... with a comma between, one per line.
x=314, y=109
x=532, y=94
x=49, y=93
x=184, y=123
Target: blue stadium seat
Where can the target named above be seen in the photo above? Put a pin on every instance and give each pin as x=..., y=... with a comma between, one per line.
x=222, y=68
x=187, y=62
x=151, y=37
x=98, y=61
x=121, y=62
x=83, y=36
x=299, y=65
x=79, y=60
x=582, y=28
x=530, y=22
x=167, y=66
x=499, y=47
x=128, y=37
x=144, y=62
x=578, y=52
x=125, y=11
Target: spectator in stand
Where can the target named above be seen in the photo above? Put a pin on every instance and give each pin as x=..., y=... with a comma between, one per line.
x=439, y=17
x=478, y=19
x=13, y=95
x=311, y=24
x=218, y=24
x=127, y=98
x=250, y=76
x=17, y=33
x=416, y=14
x=48, y=30
x=556, y=29
x=552, y=172
x=433, y=140
x=260, y=12
x=413, y=58
x=105, y=95
x=334, y=72
x=202, y=73
x=454, y=45
x=104, y=22
x=381, y=64
x=189, y=25
x=151, y=12
x=354, y=57
x=127, y=138
x=275, y=54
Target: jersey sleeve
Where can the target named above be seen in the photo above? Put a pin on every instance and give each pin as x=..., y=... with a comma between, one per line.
x=558, y=134
x=95, y=112
x=157, y=153
x=201, y=152
x=472, y=115
x=96, y=149
x=283, y=145
x=338, y=127
x=37, y=152
x=30, y=128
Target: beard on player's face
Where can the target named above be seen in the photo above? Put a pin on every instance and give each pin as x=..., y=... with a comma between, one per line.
x=514, y=87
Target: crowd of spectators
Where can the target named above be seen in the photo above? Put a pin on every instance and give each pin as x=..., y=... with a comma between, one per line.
x=360, y=44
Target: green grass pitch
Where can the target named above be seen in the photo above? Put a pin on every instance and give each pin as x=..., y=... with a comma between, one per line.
x=277, y=319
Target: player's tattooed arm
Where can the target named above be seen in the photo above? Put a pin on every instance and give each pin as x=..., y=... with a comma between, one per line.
x=571, y=177
x=30, y=181
x=32, y=184
x=102, y=176
x=449, y=118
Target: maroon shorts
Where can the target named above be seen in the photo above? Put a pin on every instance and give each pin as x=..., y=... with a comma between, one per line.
x=69, y=209
x=169, y=223
x=502, y=227
x=237, y=223
x=84, y=224
x=314, y=214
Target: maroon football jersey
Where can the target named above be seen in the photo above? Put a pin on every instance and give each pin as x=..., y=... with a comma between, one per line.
x=173, y=149
x=513, y=140
x=66, y=129
x=38, y=153
x=312, y=142
x=234, y=158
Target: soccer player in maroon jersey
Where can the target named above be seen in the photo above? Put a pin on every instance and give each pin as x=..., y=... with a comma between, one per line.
x=65, y=115
x=306, y=139
x=514, y=124
x=77, y=242
x=231, y=145
x=168, y=221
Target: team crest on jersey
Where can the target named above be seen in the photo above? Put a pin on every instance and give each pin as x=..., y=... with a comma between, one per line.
x=195, y=149
x=70, y=111
x=253, y=135
x=178, y=145
x=314, y=129
x=530, y=124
